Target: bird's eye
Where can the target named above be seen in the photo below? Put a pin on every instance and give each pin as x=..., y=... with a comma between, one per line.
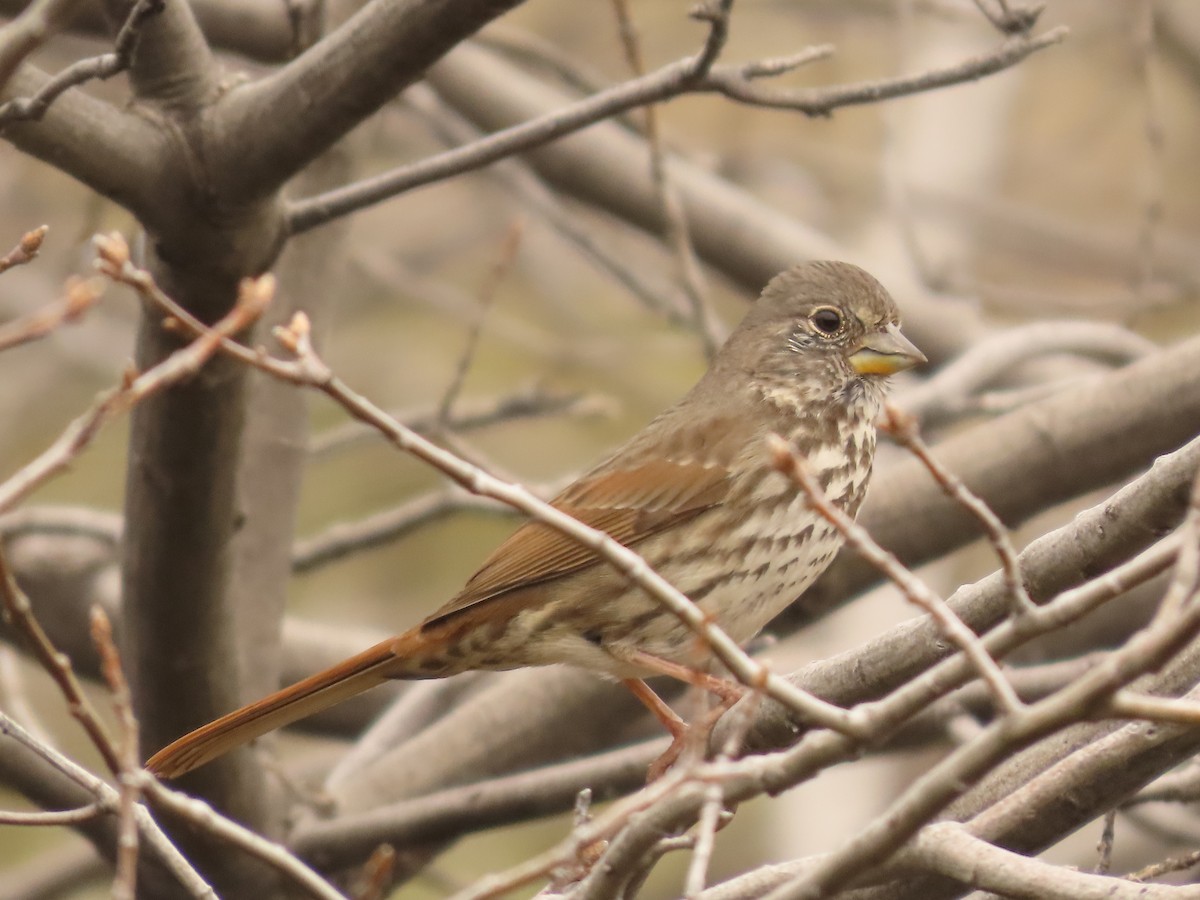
x=827, y=320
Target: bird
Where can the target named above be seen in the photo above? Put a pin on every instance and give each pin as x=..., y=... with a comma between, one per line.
x=694, y=493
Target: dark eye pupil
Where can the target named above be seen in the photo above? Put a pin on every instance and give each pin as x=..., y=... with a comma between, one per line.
x=827, y=321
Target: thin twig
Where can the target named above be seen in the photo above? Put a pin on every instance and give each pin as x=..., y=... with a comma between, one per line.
x=54, y=817
x=523, y=181
x=677, y=234
x=568, y=851
x=676, y=78
x=205, y=817
x=1167, y=866
x=822, y=101
x=789, y=463
x=345, y=538
x=451, y=812
x=1174, y=625
x=125, y=882
x=817, y=750
x=135, y=387
x=30, y=29
x=684, y=76
x=506, y=799
x=1104, y=847
x=713, y=809
x=954, y=390
x=903, y=429
x=78, y=298
x=750, y=775
x=19, y=612
x=951, y=850
x=1132, y=705
x=108, y=797
x=704, y=842
x=532, y=402
x=102, y=67
x=487, y=295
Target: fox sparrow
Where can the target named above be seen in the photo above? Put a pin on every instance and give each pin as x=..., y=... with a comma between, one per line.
x=693, y=492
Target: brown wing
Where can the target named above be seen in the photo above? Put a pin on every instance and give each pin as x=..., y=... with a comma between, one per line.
x=629, y=504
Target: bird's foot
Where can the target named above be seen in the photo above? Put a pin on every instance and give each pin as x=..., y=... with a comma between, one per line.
x=692, y=739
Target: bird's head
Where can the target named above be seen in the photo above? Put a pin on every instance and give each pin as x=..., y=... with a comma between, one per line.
x=823, y=328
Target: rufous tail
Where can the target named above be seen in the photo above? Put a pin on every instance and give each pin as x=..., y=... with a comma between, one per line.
x=304, y=698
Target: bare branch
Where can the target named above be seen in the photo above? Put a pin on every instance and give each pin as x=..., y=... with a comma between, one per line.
x=125, y=883
x=823, y=101
x=136, y=388
x=342, y=539
x=487, y=294
x=1176, y=623
x=950, y=849
x=953, y=389
x=108, y=148
x=203, y=816
x=173, y=68
x=678, y=77
x=689, y=75
x=528, y=403
x=1105, y=846
x=1101, y=538
x=1166, y=867
x=1010, y=18
x=31, y=28
x=903, y=428
x=78, y=299
x=449, y=813
x=744, y=238
x=788, y=461
x=54, y=817
x=524, y=182
x=102, y=67
x=17, y=610
x=1028, y=460
x=318, y=97
x=105, y=795
x=676, y=227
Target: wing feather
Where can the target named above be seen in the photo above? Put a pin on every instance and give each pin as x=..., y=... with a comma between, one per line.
x=629, y=504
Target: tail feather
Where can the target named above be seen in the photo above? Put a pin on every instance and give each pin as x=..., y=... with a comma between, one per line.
x=304, y=698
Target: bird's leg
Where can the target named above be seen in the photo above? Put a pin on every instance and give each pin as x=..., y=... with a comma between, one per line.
x=726, y=691
x=678, y=728
x=655, y=704
x=729, y=692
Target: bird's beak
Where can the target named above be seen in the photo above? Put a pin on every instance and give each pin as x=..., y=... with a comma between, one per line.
x=885, y=352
